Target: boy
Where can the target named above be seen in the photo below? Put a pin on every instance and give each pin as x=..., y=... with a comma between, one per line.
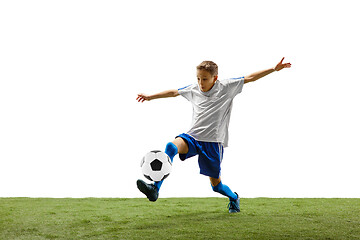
x=212, y=103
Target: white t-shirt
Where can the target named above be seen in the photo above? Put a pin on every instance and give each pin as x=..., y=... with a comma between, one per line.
x=212, y=109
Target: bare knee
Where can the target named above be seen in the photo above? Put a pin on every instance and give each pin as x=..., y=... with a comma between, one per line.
x=215, y=181
x=181, y=145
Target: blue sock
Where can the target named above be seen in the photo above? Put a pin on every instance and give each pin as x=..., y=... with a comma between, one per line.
x=224, y=190
x=171, y=150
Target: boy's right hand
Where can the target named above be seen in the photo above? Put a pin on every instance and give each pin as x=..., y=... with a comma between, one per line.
x=143, y=97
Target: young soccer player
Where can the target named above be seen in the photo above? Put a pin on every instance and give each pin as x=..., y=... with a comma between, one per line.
x=212, y=103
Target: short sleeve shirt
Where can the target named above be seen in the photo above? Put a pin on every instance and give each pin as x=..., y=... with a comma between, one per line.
x=212, y=109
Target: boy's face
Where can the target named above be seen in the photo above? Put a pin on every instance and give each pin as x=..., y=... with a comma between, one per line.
x=205, y=80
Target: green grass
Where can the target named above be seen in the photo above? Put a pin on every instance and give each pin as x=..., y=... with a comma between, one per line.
x=178, y=218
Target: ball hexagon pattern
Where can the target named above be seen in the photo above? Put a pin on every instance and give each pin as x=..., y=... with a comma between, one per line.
x=156, y=165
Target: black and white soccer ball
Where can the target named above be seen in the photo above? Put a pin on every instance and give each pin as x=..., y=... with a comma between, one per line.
x=156, y=165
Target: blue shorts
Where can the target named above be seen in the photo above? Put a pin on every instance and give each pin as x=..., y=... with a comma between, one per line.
x=210, y=155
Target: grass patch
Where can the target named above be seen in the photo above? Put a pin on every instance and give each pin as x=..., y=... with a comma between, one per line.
x=178, y=218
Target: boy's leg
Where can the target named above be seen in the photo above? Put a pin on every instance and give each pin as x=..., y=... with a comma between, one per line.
x=173, y=148
x=217, y=186
x=181, y=145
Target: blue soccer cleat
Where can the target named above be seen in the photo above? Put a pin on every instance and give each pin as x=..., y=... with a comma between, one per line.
x=234, y=205
x=149, y=190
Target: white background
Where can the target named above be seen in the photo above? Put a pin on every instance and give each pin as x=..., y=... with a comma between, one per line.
x=70, y=72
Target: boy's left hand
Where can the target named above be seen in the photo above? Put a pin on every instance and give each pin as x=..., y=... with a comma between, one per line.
x=282, y=65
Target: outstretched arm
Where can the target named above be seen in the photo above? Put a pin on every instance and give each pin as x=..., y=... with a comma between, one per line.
x=257, y=75
x=165, y=94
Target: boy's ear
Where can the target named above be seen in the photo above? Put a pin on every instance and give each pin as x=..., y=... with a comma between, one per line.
x=216, y=77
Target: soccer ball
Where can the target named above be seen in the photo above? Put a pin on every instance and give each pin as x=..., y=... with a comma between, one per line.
x=156, y=165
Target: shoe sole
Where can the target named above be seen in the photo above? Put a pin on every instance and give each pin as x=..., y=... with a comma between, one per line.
x=234, y=211
x=144, y=189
